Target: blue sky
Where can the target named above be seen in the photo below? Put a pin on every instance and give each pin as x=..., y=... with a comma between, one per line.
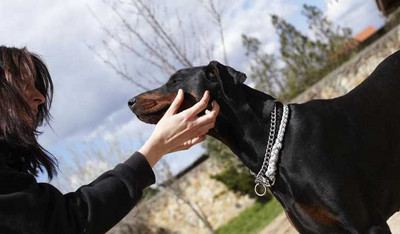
x=90, y=99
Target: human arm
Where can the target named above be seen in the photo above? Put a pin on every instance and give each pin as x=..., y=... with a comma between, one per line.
x=30, y=207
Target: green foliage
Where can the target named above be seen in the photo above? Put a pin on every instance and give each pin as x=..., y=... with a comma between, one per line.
x=253, y=219
x=235, y=176
x=149, y=192
x=301, y=55
x=238, y=179
x=265, y=72
x=305, y=60
x=331, y=37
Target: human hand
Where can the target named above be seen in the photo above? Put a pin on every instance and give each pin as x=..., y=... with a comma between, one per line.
x=180, y=131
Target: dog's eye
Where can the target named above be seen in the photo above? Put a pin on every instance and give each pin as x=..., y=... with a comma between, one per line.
x=172, y=82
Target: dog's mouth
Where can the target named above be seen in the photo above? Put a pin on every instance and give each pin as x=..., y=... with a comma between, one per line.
x=153, y=116
x=151, y=110
x=150, y=107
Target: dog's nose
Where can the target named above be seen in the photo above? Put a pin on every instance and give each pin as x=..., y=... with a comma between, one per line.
x=131, y=102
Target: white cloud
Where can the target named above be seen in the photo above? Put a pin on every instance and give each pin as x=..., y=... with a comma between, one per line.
x=141, y=130
x=355, y=14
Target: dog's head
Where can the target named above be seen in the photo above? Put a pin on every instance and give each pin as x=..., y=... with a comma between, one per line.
x=223, y=83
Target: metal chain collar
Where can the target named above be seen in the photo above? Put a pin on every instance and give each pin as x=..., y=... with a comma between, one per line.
x=266, y=176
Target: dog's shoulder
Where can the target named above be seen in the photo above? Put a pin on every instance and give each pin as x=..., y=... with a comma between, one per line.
x=393, y=59
x=386, y=76
x=389, y=67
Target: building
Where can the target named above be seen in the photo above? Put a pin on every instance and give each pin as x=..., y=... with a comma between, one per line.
x=365, y=34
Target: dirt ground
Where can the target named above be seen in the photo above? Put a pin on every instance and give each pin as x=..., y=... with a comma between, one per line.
x=282, y=226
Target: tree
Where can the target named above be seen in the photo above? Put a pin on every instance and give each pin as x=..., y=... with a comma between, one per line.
x=305, y=60
x=216, y=15
x=336, y=39
x=302, y=56
x=162, y=45
x=171, y=185
x=264, y=69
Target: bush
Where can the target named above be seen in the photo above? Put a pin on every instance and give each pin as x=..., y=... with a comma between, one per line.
x=149, y=192
x=240, y=180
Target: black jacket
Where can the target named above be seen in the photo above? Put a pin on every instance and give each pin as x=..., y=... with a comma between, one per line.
x=30, y=207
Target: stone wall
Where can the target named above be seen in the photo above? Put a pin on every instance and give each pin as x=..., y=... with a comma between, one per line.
x=166, y=213
x=212, y=197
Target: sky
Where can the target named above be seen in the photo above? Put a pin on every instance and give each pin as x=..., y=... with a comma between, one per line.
x=90, y=101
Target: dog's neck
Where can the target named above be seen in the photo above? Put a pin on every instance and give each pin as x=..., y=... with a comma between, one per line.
x=243, y=125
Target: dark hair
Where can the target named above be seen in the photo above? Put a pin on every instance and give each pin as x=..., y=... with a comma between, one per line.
x=18, y=122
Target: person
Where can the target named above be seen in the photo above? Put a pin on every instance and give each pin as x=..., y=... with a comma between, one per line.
x=26, y=206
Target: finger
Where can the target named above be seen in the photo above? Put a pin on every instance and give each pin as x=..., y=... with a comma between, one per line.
x=199, y=139
x=188, y=144
x=176, y=103
x=202, y=130
x=210, y=116
x=215, y=107
x=183, y=146
x=199, y=106
x=194, y=141
x=205, y=128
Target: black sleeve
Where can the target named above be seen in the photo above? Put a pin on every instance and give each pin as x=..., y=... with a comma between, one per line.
x=30, y=207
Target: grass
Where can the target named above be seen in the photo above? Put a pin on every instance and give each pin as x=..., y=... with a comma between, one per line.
x=253, y=219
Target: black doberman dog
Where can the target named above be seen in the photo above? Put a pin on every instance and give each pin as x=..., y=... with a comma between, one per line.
x=339, y=168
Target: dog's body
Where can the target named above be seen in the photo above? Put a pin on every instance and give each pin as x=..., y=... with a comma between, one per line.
x=339, y=168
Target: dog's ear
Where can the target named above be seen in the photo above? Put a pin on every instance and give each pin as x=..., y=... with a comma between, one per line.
x=228, y=78
x=238, y=77
x=212, y=70
x=220, y=70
